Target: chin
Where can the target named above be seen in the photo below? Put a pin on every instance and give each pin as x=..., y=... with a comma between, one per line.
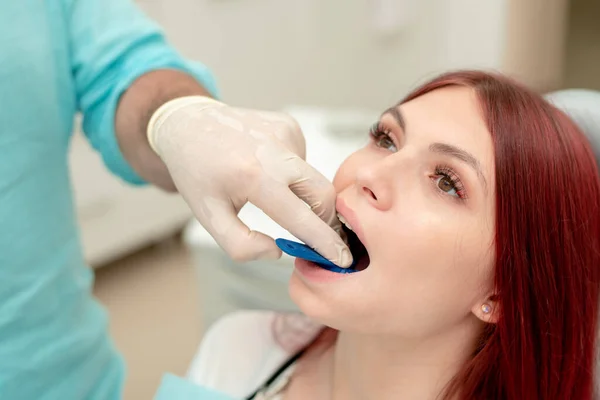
x=323, y=306
x=311, y=302
x=306, y=298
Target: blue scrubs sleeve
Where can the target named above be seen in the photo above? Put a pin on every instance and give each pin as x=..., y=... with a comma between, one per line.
x=175, y=388
x=112, y=44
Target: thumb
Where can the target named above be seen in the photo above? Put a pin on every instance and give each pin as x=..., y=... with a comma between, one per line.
x=320, y=194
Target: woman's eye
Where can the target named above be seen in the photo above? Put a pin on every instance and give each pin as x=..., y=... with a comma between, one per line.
x=381, y=137
x=445, y=184
x=386, y=142
x=449, y=182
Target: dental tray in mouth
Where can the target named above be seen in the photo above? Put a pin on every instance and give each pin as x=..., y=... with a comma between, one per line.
x=300, y=250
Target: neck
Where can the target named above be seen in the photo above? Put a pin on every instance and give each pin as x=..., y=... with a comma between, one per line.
x=385, y=367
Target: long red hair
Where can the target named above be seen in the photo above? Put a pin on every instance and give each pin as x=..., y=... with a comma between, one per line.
x=547, y=243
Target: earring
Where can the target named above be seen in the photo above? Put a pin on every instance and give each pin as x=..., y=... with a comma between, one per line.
x=486, y=308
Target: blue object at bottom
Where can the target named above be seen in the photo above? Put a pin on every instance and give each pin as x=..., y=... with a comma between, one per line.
x=175, y=388
x=300, y=250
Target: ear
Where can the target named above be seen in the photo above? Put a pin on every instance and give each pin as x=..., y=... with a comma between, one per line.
x=487, y=309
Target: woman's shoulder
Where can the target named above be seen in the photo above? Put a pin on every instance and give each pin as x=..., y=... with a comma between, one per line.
x=241, y=350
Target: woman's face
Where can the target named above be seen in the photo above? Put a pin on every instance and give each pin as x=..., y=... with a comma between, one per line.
x=420, y=196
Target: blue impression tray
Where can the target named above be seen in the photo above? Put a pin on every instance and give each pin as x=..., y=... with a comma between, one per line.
x=300, y=250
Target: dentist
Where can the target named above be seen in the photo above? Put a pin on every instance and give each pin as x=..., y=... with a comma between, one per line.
x=152, y=116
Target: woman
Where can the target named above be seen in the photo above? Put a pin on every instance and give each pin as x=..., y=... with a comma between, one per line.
x=477, y=203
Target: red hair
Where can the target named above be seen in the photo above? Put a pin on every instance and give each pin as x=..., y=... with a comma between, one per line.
x=547, y=245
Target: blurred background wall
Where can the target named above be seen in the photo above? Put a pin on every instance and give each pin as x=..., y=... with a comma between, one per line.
x=271, y=53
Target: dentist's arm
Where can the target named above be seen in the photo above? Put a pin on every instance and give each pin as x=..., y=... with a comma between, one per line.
x=222, y=157
x=218, y=157
x=134, y=111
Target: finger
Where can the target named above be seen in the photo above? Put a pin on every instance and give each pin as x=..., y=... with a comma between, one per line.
x=220, y=219
x=316, y=191
x=320, y=194
x=289, y=211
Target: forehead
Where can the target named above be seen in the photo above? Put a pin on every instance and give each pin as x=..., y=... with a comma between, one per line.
x=449, y=115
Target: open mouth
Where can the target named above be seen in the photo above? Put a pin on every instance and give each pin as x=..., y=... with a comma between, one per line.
x=360, y=254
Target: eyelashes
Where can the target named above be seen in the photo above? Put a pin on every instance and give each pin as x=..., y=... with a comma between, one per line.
x=382, y=137
x=446, y=180
x=377, y=129
x=449, y=182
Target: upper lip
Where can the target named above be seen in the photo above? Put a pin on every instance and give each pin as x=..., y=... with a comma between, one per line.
x=350, y=216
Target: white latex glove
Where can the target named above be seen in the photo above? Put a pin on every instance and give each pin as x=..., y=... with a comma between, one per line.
x=221, y=157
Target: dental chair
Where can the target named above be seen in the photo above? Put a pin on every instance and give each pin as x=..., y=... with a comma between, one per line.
x=583, y=106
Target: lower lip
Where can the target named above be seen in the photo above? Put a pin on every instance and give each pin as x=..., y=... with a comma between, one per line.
x=314, y=273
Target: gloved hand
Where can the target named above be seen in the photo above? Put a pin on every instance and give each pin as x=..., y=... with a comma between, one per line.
x=221, y=157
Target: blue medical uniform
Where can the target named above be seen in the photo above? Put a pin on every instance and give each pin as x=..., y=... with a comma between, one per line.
x=57, y=58
x=173, y=387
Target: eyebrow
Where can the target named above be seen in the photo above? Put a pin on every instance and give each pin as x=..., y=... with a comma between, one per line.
x=462, y=155
x=395, y=112
x=443, y=148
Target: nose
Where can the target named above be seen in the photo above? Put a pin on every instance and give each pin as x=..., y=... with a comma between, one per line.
x=374, y=183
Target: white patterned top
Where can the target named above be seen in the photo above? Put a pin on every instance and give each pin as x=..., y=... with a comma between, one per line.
x=243, y=350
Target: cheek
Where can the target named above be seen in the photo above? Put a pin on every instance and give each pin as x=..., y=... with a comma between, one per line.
x=430, y=279
x=432, y=253
x=475, y=256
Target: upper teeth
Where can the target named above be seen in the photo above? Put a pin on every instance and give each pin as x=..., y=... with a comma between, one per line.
x=343, y=221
